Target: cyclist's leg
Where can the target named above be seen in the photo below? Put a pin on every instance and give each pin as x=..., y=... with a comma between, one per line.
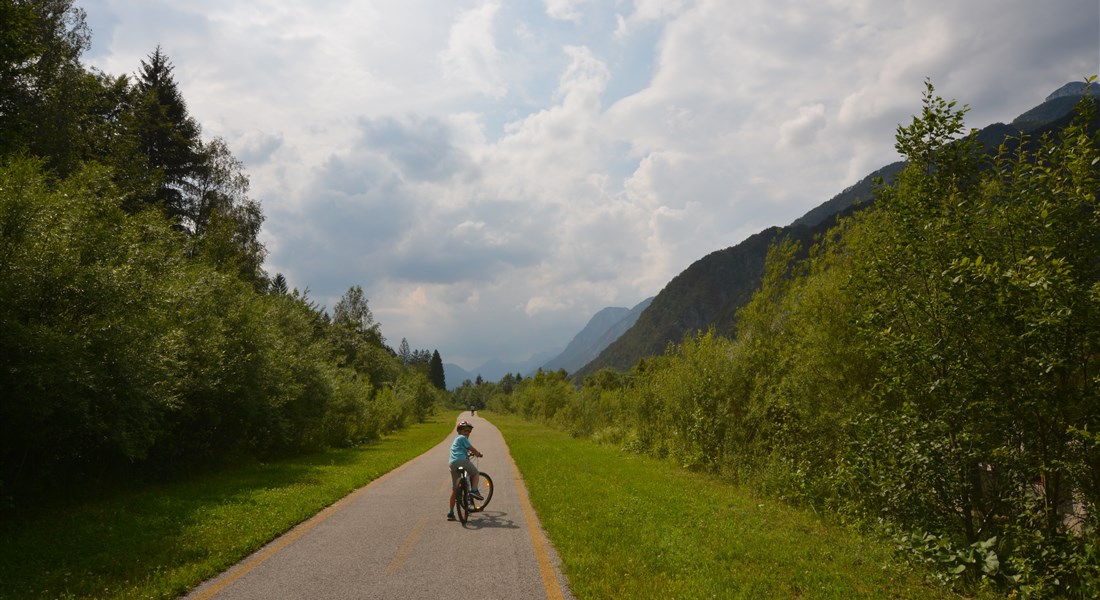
x=462, y=499
x=471, y=469
x=486, y=491
x=454, y=484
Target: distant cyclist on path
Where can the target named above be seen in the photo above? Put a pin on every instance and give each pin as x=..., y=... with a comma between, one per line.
x=461, y=450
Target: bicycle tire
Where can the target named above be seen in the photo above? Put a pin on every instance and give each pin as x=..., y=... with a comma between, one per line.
x=462, y=497
x=486, y=489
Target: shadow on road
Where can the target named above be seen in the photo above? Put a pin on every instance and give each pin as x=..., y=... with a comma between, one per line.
x=490, y=520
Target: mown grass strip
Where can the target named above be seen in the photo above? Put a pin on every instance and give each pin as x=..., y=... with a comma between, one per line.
x=627, y=526
x=161, y=541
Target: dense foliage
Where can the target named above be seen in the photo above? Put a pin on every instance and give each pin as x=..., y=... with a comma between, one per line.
x=930, y=370
x=141, y=335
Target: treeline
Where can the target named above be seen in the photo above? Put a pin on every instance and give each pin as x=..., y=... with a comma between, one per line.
x=930, y=370
x=139, y=333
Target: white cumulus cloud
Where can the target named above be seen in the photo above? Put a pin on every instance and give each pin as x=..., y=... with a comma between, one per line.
x=493, y=173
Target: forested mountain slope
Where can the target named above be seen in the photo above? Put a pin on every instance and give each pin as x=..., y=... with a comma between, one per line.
x=711, y=291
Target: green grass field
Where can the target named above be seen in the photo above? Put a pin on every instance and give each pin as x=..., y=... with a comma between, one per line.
x=161, y=541
x=627, y=526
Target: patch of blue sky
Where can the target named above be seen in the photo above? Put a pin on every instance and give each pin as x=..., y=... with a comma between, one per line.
x=534, y=47
x=631, y=63
x=622, y=163
x=102, y=21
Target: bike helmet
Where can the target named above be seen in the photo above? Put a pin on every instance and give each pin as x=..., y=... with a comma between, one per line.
x=464, y=425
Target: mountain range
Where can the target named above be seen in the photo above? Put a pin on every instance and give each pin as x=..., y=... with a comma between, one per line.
x=494, y=369
x=604, y=328
x=711, y=291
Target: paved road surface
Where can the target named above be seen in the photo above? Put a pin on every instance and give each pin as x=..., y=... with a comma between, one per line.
x=391, y=539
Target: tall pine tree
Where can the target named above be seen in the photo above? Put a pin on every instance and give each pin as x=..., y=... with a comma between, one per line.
x=169, y=136
x=435, y=372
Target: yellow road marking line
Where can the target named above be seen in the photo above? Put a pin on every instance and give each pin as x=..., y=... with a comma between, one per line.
x=542, y=556
x=285, y=540
x=406, y=548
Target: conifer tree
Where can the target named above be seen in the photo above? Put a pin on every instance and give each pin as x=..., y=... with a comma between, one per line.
x=169, y=136
x=279, y=285
x=435, y=372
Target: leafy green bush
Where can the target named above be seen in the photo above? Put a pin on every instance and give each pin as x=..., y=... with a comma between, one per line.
x=928, y=371
x=120, y=351
x=139, y=334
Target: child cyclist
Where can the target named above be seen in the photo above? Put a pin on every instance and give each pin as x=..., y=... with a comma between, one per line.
x=461, y=450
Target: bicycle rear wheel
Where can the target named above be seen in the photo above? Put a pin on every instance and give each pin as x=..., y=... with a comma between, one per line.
x=486, y=489
x=462, y=497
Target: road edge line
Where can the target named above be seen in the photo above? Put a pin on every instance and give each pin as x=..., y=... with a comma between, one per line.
x=230, y=576
x=538, y=540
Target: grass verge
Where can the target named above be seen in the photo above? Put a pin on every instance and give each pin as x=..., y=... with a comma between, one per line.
x=161, y=541
x=628, y=526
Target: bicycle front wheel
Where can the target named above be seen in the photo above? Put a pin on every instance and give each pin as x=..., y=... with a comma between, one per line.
x=462, y=497
x=486, y=489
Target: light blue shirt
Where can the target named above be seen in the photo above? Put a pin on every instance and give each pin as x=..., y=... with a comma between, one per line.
x=460, y=448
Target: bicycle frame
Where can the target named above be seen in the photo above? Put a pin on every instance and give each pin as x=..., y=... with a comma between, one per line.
x=465, y=503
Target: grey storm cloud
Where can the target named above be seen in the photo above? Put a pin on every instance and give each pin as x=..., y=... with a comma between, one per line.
x=377, y=204
x=476, y=243
x=420, y=147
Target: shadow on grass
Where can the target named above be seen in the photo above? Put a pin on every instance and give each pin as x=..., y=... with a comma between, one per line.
x=116, y=544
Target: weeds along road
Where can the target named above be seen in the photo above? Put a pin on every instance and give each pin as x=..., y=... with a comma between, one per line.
x=391, y=539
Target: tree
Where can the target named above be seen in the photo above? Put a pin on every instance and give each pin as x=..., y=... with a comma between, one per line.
x=43, y=87
x=109, y=135
x=404, y=353
x=359, y=341
x=435, y=372
x=169, y=136
x=353, y=312
x=279, y=285
x=507, y=383
x=977, y=296
x=223, y=220
x=146, y=341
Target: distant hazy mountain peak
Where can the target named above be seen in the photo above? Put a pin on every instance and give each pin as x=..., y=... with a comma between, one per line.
x=602, y=330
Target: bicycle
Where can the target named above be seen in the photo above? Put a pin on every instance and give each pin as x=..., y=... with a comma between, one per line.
x=465, y=503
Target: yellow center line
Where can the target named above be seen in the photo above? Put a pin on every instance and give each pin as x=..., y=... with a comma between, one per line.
x=406, y=548
x=542, y=556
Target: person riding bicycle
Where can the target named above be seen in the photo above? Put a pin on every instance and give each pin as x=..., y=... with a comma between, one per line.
x=461, y=450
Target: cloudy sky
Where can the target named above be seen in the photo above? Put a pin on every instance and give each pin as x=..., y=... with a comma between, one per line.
x=493, y=172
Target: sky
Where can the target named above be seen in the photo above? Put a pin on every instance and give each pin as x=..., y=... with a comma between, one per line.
x=494, y=172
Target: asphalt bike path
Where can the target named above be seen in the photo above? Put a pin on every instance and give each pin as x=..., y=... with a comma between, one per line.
x=391, y=539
